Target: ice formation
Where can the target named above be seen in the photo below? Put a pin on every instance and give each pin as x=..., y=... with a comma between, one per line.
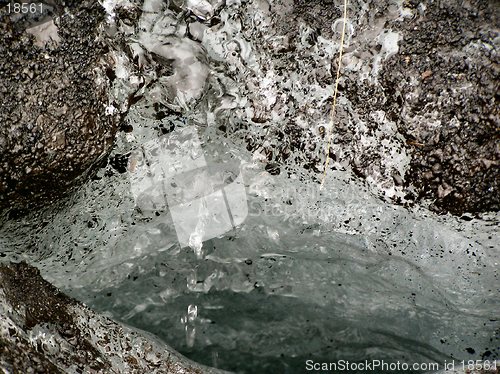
x=332, y=273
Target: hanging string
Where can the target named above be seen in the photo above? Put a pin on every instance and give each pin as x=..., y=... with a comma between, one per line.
x=335, y=93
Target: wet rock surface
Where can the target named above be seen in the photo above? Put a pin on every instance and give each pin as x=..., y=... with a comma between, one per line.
x=54, y=99
x=258, y=76
x=419, y=121
x=441, y=92
x=417, y=113
x=45, y=331
x=450, y=118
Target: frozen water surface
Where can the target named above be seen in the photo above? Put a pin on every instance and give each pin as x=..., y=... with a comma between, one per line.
x=286, y=271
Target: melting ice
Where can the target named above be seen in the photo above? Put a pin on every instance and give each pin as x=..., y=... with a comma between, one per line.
x=240, y=268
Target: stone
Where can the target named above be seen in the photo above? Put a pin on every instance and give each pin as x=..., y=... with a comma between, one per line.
x=440, y=91
x=55, y=112
x=43, y=330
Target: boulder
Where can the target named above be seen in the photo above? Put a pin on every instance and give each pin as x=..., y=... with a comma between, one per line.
x=56, y=118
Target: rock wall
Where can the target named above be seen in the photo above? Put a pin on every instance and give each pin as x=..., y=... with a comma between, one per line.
x=441, y=91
